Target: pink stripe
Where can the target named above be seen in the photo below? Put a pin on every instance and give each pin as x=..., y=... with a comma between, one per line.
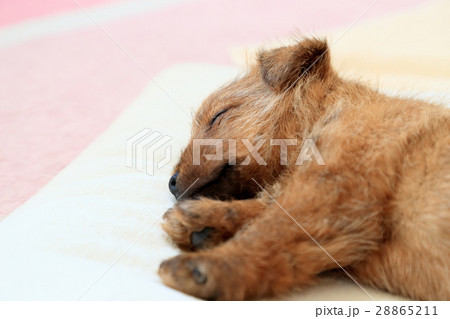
x=58, y=93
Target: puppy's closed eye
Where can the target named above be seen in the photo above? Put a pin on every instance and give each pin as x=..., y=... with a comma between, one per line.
x=217, y=115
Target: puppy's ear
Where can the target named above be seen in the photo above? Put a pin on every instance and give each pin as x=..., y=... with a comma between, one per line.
x=282, y=68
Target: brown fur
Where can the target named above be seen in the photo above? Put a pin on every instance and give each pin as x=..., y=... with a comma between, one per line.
x=380, y=206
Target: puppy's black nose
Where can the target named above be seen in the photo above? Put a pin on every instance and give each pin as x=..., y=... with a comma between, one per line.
x=173, y=185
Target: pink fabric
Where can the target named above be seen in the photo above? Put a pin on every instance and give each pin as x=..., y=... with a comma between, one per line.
x=13, y=11
x=59, y=92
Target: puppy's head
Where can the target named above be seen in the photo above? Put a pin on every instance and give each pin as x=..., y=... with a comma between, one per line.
x=230, y=147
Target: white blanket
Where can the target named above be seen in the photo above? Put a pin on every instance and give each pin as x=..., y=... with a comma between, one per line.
x=94, y=232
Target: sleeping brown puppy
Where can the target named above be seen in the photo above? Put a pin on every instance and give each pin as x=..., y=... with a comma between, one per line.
x=370, y=194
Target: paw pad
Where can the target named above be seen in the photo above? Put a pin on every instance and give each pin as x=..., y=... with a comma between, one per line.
x=199, y=238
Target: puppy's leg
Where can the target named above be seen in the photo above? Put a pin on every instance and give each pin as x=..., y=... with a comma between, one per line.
x=319, y=226
x=272, y=256
x=204, y=223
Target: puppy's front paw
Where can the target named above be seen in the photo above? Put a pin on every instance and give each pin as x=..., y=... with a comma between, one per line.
x=201, y=276
x=192, y=225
